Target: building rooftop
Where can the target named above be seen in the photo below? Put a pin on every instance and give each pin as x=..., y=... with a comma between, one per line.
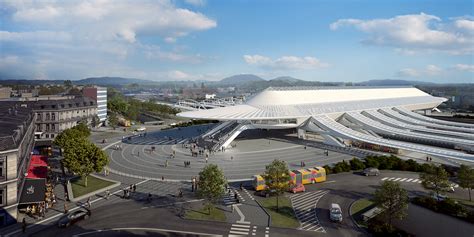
x=77, y=102
x=15, y=118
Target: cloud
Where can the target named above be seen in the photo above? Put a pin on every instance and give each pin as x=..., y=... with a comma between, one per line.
x=90, y=38
x=285, y=62
x=464, y=67
x=179, y=75
x=429, y=70
x=415, y=32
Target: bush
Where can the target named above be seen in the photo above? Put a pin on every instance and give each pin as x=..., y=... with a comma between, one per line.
x=357, y=164
x=342, y=166
x=448, y=207
x=371, y=162
x=328, y=169
x=378, y=227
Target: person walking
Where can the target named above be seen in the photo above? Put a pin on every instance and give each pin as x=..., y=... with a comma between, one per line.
x=107, y=193
x=89, y=203
x=233, y=208
x=134, y=188
x=65, y=208
x=23, y=225
x=166, y=163
x=193, y=181
x=206, y=159
x=231, y=158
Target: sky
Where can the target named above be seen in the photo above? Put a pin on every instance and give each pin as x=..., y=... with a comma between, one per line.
x=325, y=40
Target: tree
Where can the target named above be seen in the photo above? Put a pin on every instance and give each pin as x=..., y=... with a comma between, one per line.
x=466, y=178
x=82, y=129
x=68, y=83
x=435, y=178
x=277, y=178
x=83, y=157
x=95, y=121
x=113, y=120
x=70, y=135
x=393, y=200
x=211, y=184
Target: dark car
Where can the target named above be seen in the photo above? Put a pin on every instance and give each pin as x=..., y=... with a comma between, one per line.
x=265, y=193
x=74, y=217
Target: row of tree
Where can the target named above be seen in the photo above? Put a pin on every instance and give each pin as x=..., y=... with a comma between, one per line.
x=81, y=156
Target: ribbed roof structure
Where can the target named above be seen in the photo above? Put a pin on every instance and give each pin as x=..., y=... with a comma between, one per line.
x=282, y=103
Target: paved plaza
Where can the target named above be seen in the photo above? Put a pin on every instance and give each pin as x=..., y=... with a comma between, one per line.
x=250, y=156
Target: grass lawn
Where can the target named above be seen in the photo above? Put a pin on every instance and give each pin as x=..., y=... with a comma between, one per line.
x=203, y=214
x=93, y=184
x=285, y=218
x=359, y=207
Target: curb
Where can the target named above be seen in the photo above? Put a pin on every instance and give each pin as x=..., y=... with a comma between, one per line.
x=268, y=214
x=352, y=218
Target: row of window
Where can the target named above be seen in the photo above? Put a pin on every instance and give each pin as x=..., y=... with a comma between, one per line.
x=52, y=116
x=48, y=127
x=70, y=105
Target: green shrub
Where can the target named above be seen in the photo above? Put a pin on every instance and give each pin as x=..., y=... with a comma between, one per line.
x=328, y=169
x=371, y=162
x=357, y=164
x=452, y=208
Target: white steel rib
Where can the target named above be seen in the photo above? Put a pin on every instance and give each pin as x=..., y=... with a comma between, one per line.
x=438, y=121
x=408, y=119
x=396, y=123
x=344, y=132
x=384, y=129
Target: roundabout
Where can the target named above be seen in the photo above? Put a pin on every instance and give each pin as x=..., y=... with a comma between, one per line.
x=150, y=155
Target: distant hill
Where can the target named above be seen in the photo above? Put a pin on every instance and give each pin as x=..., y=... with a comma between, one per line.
x=287, y=79
x=107, y=81
x=392, y=82
x=240, y=79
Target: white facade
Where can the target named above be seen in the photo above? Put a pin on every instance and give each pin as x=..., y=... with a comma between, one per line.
x=102, y=103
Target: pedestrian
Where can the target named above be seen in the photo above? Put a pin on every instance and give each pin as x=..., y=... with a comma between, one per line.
x=124, y=193
x=427, y=158
x=206, y=159
x=46, y=206
x=235, y=195
x=193, y=181
x=305, y=147
x=232, y=208
x=134, y=187
x=107, y=193
x=149, y=197
x=138, y=154
x=131, y=187
x=431, y=158
x=23, y=225
x=65, y=208
x=241, y=186
x=166, y=163
x=89, y=202
x=162, y=178
x=231, y=158
x=185, y=164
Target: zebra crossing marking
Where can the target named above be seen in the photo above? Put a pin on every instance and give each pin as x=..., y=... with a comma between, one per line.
x=407, y=180
x=305, y=210
x=240, y=229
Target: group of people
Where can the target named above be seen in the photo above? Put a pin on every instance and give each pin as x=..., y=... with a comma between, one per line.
x=303, y=164
x=429, y=158
x=187, y=163
x=128, y=191
x=118, y=147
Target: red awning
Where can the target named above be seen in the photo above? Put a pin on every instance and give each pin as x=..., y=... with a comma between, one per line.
x=38, y=160
x=37, y=172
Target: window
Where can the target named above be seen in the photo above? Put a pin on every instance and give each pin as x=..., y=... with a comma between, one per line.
x=47, y=135
x=38, y=117
x=52, y=135
x=1, y=197
x=47, y=127
x=47, y=116
x=53, y=127
x=53, y=116
x=2, y=167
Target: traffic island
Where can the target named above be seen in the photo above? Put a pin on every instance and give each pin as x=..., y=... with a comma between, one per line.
x=77, y=190
x=285, y=217
x=202, y=212
x=358, y=208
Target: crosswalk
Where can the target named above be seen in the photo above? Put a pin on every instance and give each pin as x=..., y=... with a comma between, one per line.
x=229, y=198
x=408, y=180
x=304, y=205
x=156, y=141
x=243, y=229
x=398, y=179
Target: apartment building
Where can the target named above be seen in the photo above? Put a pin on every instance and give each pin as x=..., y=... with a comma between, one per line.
x=16, y=144
x=99, y=95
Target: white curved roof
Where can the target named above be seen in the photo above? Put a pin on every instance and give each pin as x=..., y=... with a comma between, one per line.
x=280, y=103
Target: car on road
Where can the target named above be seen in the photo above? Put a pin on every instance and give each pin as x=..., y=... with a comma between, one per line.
x=297, y=188
x=335, y=212
x=439, y=197
x=73, y=217
x=371, y=172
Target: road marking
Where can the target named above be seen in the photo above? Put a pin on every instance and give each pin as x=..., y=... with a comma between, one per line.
x=390, y=179
x=147, y=229
x=385, y=178
x=237, y=225
x=397, y=179
x=415, y=180
x=401, y=180
x=409, y=180
x=305, y=210
x=72, y=209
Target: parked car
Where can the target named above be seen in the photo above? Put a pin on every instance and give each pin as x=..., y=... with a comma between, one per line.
x=297, y=188
x=265, y=193
x=371, y=172
x=335, y=212
x=73, y=217
x=439, y=197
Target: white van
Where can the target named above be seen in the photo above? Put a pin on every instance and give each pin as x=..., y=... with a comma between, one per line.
x=335, y=212
x=140, y=129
